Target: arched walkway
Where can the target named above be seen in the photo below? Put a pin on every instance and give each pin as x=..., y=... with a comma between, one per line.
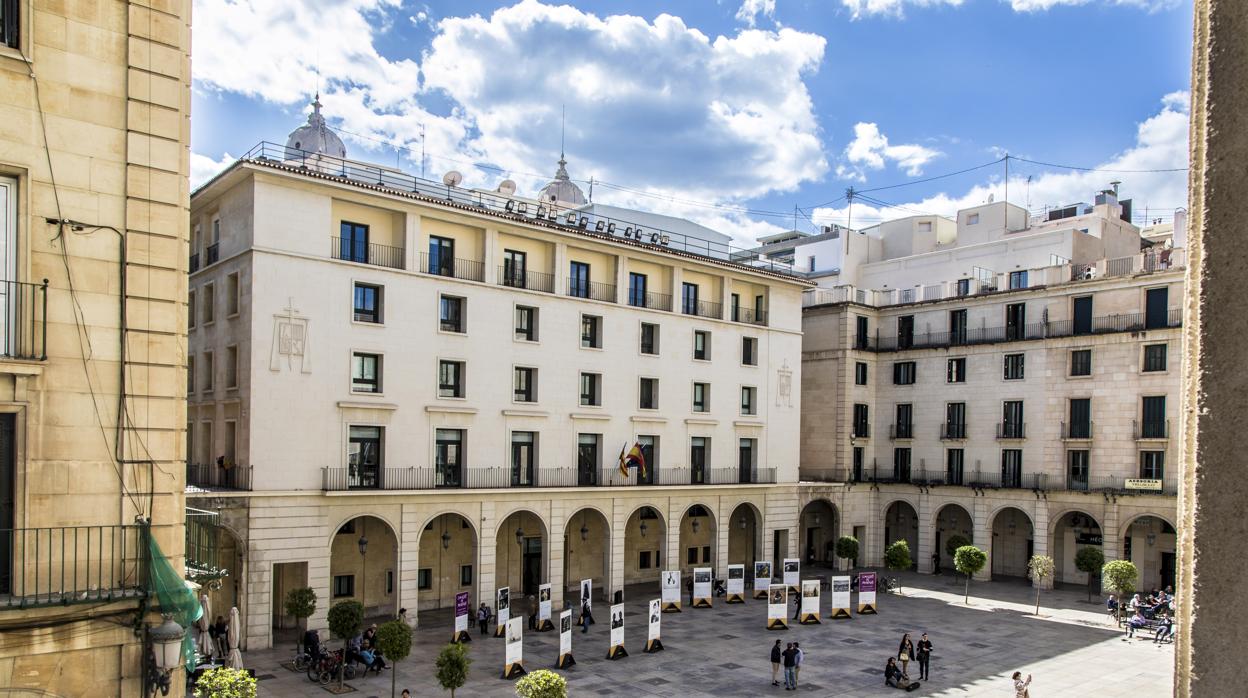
x=448, y=562
x=645, y=536
x=1072, y=531
x=587, y=548
x=363, y=566
x=697, y=539
x=817, y=531
x=1149, y=541
x=952, y=520
x=1013, y=541
x=520, y=554
x=901, y=522
x=744, y=537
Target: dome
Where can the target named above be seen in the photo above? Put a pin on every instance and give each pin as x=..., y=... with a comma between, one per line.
x=562, y=190
x=315, y=136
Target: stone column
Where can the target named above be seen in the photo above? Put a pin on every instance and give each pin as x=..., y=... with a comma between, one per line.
x=561, y=268
x=873, y=550
x=486, y=578
x=926, y=534
x=1110, y=541
x=1040, y=541
x=983, y=532
x=674, y=555
x=723, y=528
x=619, y=519
x=555, y=558
x=411, y=241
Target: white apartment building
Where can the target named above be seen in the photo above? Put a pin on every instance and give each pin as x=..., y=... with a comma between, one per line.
x=401, y=390
x=1010, y=379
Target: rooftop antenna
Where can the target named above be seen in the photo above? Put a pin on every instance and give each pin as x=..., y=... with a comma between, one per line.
x=563, y=124
x=591, y=189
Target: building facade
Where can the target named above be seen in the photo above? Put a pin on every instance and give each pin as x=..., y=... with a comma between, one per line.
x=94, y=106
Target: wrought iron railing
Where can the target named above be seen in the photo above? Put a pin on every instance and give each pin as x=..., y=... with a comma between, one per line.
x=902, y=430
x=958, y=477
x=428, y=478
x=706, y=309
x=72, y=564
x=529, y=280
x=25, y=331
x=213, y=252
x=193, y=263
x=1077, y=431
x=454, y=267
x=362, y=252
x=216, y=477
x=1151, y=429
x=953, y=430
x=593, y=290
x=653, y=301
x=1011, y=430
x=750, y=316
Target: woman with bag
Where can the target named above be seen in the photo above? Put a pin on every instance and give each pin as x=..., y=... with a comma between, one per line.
x=904, y=654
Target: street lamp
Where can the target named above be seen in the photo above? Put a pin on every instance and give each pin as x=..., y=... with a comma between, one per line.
x=519, y=536
x=584, y=532
x=642, y=528
x=164, y=654
x=446, y=540
x=741, y=522
x=695, y=525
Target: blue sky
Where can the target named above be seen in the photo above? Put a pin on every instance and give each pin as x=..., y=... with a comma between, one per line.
x=724, y=111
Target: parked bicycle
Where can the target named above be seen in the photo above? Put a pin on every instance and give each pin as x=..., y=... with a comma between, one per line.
x=326, y=667
x=302, y=659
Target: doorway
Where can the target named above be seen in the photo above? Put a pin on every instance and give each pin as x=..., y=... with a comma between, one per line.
x=1167, y=570
x=531, y=565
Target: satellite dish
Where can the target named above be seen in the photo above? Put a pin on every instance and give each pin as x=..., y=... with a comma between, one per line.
x=452, y=178
x=507, y=187
x=991, y=198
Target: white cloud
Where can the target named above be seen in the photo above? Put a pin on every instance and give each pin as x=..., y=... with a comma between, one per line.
x=890, y=8
x=1161, y=143
x=751, y=9
x=204, y=168
x=896, y=8
x=870, y=149
x=1044, y=5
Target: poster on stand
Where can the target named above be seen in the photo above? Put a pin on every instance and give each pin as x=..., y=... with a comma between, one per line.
x=653, y=644
x=671, y=591
x=543, y=609
x=702, y=587
x=461, y=618
x=793, y=574
x=736, y=584
x=810, y=602
x=503, y=603
x=840, y=598
x=777, y=607
x=617, y=633
x=565, y=640
x=513, y=665
x=866, y=592
x=762, y=579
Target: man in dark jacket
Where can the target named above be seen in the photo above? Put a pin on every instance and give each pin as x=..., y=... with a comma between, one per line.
x=924, y=652
x=789, y=658
x=776, y=658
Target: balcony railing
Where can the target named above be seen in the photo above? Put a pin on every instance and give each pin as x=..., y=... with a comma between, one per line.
x=750, y=316
x=215, y=477
x=904, y=430
x=367, y=253
x=592, y=290
x=428, y=478
x=454, y=267
x=1011, y=430
x=1118, y=485
x=861, y=430
x=25, y=331
x=193, y=263
x=653, y=301
x=71, y=565
x=1077, y=431
x=529, y=280
x=703, y=309
x=953, y=430
x=213, y=252
x=1151, y=429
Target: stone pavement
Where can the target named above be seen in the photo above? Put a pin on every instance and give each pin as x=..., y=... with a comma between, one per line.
x=1071, y=649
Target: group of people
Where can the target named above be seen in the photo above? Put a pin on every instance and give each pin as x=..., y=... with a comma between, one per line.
x=790, y=659
x=897, y=668
x=362, y=649
x=1156, y=610
x=219, y=632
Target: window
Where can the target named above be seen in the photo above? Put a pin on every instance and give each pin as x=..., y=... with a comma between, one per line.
x=749, y=351
x=1080, y=419
x=689, y=298
x=649, y=338
x=344, y=585
x=591, y=395
x=1081, y=362
x=1012, y=467
x=747, y=459
x=748, y=395
x=637, y=289
x=364, y=449
x=734, y=305
x=523, y=458
x=955, y=421
x=1156, y=308
x=643, y=560
x=972, y=219
x=10, y=23
x=1013, y=367
x=706, y=553
x=648, y=398
x=810, y=263
x=955, y=459
x=701, y=397
x=649, y=451
x=367, y=303
x=1018, y=279
x=1081, y=309
x=860, y=373
x=691, y=556
x=901, y=464
x=905, y=331
x=591, y=331
x=465, y=575
x=903, y=373
x=424, y=579
x=190, y=377
x=1154, y=357
x=515, y=265
x=861, y=339
x=448, y=457
x=1012, y=419
x=231, y=367
x=964, y=287
x=955, y=370
x=353, y=243
x=904, y=428
x=209, y=304
x=701, y=345
x=209, y=368
x=1077, y=469
x=578, y=280
x=957, y=326
x=925, y=226
x=191, y=309
x=450, y=378
x=1154, y=426
x=588, y=448
x=526, y=323
x=451, y=314
x=441, y=256
x=389, y=582
x=858, y=458
x=231, y=295
x=525, y=384
x=1152, y=465
x=861, y=426
x=1015, y=321
x=365, y=373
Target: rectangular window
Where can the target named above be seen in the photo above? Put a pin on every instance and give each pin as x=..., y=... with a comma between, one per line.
x=903, y=373
x=701, y=397
x=465, y=575
x=588, y=448
x=748, y=400
x=858, y=464
x=904, y=427
x=367, y=303
x=637, y=289
x=1077, y=470
x=451, y=314
x=955, y=370
x=701, y=345
x=1012, y=467
x=441, y=256
x=905, y=331
x=691, y=555
x=515, y=266
x=861, y=339
x=643, y=560
x=689, y=298
x=698, y=446
x=1081, y=308
x=10, y=23
x=1012, y=419
x=1081, y=362
x=231, y=295
x=1154, y=424
x=648, y=398
x=964, y=287
x=649, y=451
x=209, y=368
x=591, y=331
x=231, y=367
x=1080, y=426
x=365, y=373
x=424, y=579
x=706, y=553
x=1154, y=357
x=1018, y=279
x=190, y=304
x=860, y=373
x=526, y=323
x=578, y=280
x=957, y=326
x=448, y=457
x=1156, y=308
x=353, y=242
x=450, y=378
x=1015, y=321
x=1013, y=367
x=734, y=305
x=1152, y=465
x=749, y=351
x=746, y=460
x=861, y=426
x=523, y=458
x=649, y=339
x=972, y=219
x=955, y=459
x=525, y=384
x=591, y=384
x=901, y=464
x=364, y=455
x=190, y=375
x=955, y=421
x=209, y=304
x=344, y=585
x=389, y=582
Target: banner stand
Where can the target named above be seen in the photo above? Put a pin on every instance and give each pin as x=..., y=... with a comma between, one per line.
x=671, y=607
x=758, y=593
x=652, y=646
x=777, y=607
x=500, y=630
x=565, y=661
x=545, y=626
x=866, y=593
x=841, y=613
x=736, y=598
x=777, y=624
x=866, y=608
x=617, y=652
x=701, y=602
x=511, y=671
x=810, y=619
x=462, y=636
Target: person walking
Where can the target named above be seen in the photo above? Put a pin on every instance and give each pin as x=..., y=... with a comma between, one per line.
x=905, y=652
x=797, y=606
x=789, y=658
x=1020, y=686
x=689, y=587
x=587, y=616
x=797, y=667
x=924, y=656
x=776, y=658
x=483, y=617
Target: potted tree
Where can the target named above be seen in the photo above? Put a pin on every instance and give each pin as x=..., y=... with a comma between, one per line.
x=345, y=620
x=394, y=639
x=301, y=603
x=1090, y=560
x=969, y=560
x=1121, y=576
x=1041, y=567
x=897, y=558
x=847, y=548
x=452, y=663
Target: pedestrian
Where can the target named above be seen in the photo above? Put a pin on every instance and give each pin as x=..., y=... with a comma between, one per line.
x=483, y=617
x=797, y=606
x=1020, y=686
x=689, y=587
x=405, y=694
x=789, y=658
x=924, y=656
x=403, y=616
x=532, y=613
x=776, y=658
x=797, y=667
x=587, y=615
x=904, y=653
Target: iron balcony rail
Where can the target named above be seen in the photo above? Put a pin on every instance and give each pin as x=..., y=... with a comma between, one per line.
x=861, y=430
x=453, y=267
x=366, y=253
x=428, y=478
x=953, y=430
x=1126, y=322
x=25, y=308
x=750, y=316
x=653, y=301
x=593, y=290
x=216, y=477
x=1151, y=429
x=1077, y=431
x=1114, y=484
x=529, y=280
x=1011, y=430
x=193, y=263
x=990, y=480
x=904, y=430
x=71, y=565
x=706, y=309
x=213, y=252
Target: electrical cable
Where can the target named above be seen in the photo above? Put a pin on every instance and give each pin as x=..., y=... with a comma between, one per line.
x=1097, y=169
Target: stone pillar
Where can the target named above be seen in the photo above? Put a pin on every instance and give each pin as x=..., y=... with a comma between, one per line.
x=926, y=533
x=1110, y=541
x=723, y=528
x=561, y=268
x=259, y=590
x=872, y=550
x=1040, y=541
x=983, y=532
x=619, y=519
x=411, y=241
x=674, y=556
x=490, y=256
x=409, y=563
x=556, y=556
x=486, y=577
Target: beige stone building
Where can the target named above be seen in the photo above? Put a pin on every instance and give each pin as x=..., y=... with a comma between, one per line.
x=94, y=104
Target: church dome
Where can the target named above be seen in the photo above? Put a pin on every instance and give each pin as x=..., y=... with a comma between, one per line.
x=562, y=189
x=315, y=136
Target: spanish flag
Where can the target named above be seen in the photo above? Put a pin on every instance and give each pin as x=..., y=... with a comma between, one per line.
x=635, y=458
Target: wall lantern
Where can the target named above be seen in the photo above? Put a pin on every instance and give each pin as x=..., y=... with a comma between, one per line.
x=363, y=543
x=519, y=536
x=446, y=540
x=642, y=528
x=165, y=654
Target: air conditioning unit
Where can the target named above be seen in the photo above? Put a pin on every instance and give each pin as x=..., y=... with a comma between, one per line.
x=1089, y=273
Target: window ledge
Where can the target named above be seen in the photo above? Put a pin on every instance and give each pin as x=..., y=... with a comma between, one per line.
x=352, y=404
x=748, y=423
x=704, y=422
x=589, y=415
x=525, y=413
x=648, y=419
x=448, y=409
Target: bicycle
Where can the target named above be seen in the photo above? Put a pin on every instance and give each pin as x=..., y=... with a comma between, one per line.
x=302, y=659
x=891, y=584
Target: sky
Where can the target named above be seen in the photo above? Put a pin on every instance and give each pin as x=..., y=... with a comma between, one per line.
x=748, y=116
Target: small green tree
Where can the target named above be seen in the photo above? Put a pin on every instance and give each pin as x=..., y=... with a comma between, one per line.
x=954, y=542
x=301, y=603
x=452, y=663
x=394, y=639
x=542, y=683
x=968, y=560
x=345, y=620
x=1121, y=575
x=225, y=682
x=1090, y=560
x=897, y=557
x=1041, y=567
x=847, y=548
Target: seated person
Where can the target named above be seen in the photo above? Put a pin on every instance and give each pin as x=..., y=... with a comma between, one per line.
x=371, y=658
x=1111, y=604
x=1165, y=630
x=354, y=645
x=312, y=644
x=893, y=676
x=1136, y=622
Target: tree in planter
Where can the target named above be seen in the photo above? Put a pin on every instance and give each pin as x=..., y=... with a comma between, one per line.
x=394, y=639
x=954, y=542
x=969, y=560
x=897, y=558
x=1121, y=576
x=1090, y=560
x=452, y=663
x=345, y=620
x=1042, y=568
x=542, y=683
x=301, y=603
x=847, y=548
x=225, y=682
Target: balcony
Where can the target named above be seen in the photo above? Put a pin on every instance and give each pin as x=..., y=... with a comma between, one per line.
x=367, y=253
x=71, y=565
x=904, y=430
x=193, y=263
x=594, y=291
x=453, y=267
x=703, y=309
x=428, y=478
x=1151, y=430
x=25, y=331
x=213, y=253
x=861, y=430
x=953, y=431
x=529, y=280
x=750, y=316
x=1006, y=480
x=1011, y=430
x=1122, y=486
x=1077, y=431
x=653, y=301
x=209, y=478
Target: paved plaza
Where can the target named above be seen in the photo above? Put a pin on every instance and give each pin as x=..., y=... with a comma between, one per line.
x=1073, y=649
